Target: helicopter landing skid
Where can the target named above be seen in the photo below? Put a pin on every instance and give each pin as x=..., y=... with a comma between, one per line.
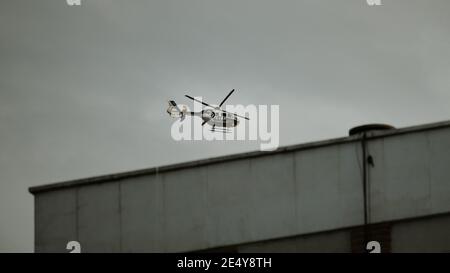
x=220, y=130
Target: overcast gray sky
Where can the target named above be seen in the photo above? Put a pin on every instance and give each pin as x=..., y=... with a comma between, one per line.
x=84, y=89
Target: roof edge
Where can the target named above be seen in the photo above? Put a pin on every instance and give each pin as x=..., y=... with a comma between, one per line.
x=226, y=158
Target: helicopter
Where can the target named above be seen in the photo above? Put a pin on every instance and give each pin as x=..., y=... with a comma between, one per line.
x=219, y=119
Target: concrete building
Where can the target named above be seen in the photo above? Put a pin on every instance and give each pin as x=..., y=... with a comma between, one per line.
x=314, y=197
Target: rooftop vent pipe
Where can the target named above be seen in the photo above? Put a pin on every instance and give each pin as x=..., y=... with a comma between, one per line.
x=367, y=159
x=369, y=128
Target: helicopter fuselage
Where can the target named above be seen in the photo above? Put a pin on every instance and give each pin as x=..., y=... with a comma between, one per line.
x=214, y=115
x=219, y=118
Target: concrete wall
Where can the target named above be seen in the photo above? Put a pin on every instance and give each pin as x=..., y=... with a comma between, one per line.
x=250, y=199
x=55, y=220
x=327, y=242
x=411, y=177
x=422, y=235
x=429, y=234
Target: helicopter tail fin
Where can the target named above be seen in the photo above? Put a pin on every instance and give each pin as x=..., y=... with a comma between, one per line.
x=172, y=103
x=174, y=111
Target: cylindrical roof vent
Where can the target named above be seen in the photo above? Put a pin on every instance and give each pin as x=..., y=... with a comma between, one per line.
x=369, y=128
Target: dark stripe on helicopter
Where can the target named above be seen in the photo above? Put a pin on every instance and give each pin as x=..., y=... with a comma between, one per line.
x=224, y=115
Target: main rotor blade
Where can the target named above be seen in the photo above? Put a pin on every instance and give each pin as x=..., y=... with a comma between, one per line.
x=204, y=103
x=235, y=114
x=193, y=113
x=241, y=117
x=229, y=94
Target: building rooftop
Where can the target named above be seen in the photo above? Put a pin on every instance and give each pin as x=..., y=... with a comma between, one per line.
x=208, y=161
